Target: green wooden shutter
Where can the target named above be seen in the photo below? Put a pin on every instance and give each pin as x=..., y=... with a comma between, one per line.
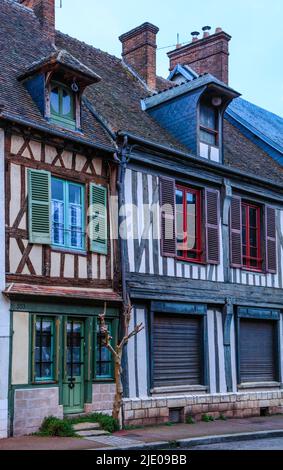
x=39, y=204
x=98, y=219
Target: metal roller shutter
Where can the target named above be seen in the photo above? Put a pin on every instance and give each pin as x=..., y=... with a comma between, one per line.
x=257, y=351
x=177, y=346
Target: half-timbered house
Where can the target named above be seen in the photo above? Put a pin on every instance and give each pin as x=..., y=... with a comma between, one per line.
x=59, y=177
x=204, y=249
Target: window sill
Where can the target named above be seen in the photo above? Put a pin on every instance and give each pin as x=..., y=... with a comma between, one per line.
x=182, y=389
x=249, y=385
x=71, y=251
x=103, y=381
x=192, y=262
x=252, y=270
x=45, y=383
x=62, y=124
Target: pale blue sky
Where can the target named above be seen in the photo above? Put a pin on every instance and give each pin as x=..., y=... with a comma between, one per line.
x=256, y=61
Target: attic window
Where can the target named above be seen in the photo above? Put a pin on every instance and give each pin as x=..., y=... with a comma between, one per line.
x=62, y=105
x=209, y=124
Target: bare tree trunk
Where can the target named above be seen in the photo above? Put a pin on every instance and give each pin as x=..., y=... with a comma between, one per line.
x=117, y=404
x=117, y=353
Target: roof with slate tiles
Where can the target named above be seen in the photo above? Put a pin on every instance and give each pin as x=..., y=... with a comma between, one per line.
x=65, y=59
x=265, y=125
x=114, y=102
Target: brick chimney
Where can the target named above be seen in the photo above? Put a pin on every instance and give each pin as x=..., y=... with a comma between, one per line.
x=139, y=51
x=45, y=11
x=209, y=54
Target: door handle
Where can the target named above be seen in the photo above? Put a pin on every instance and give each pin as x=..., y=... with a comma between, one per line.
x=72, y=383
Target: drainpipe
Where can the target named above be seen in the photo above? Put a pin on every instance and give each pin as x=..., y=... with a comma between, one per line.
x=121, y=202
x=124, y=158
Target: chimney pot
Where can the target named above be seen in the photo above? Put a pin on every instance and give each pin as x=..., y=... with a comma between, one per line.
x=195, y=35
x=209, y=54
x=139, y=51
x=206, y=30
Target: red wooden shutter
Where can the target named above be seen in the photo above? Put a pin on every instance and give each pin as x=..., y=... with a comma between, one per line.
x=212, y=209
x=236, y=247
x=270, y=239
x=167, y=206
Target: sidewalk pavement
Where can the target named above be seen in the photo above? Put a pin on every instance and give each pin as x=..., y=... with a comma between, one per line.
x=150, y=435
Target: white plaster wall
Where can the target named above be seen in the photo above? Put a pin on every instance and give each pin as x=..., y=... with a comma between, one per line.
x=137, y=356
x=4, y=305
x=20, y=359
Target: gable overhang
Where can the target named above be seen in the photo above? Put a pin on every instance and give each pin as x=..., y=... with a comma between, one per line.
x=186, y=72
x=207, y=82
x=188, y=158
x=66, y=67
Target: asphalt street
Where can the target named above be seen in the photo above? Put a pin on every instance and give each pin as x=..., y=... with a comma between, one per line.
x=257, y=444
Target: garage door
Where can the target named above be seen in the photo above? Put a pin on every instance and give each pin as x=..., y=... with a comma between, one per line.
x=257, y=351
x=177, y=346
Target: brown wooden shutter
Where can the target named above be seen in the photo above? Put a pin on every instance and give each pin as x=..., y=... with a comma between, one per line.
x=168, y=225
x=212, y=209
x=270, y=239
x=236, y=250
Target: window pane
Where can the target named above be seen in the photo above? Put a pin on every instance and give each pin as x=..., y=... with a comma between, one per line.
x=180, y=221
x=244, y=215
x=254, y=263
x=106, y=369
x=66, y=103
x=47, y=371
x=103, y=355
x=75, y=216
x=43, y=355
x=207, y=137
x=191, y=221
x=54, y=98
x=57, y=189
x=253, y=252
x=244, y=234
x=208, y=117
x=253, y=237
x=77, y=368
x=58, y=235
x=67, y=214
x=253, y=217
x=75, y=194
x=251, y=248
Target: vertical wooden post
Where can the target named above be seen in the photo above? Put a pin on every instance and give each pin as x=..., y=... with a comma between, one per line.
x=228, y=317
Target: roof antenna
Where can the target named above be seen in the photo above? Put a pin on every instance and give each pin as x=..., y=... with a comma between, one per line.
x=178, y=41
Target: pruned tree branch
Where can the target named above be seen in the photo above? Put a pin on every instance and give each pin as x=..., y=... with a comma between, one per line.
x=117, y=352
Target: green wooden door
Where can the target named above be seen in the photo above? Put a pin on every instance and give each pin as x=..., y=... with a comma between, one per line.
x=73, y=385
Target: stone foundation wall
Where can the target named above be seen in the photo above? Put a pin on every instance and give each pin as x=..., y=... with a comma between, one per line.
x=31, y=406
x=150, y=411
x=102, y=398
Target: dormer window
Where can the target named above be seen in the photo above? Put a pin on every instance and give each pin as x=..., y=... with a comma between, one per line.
x=209, y=125
x=62, y=105
x=56, y=84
